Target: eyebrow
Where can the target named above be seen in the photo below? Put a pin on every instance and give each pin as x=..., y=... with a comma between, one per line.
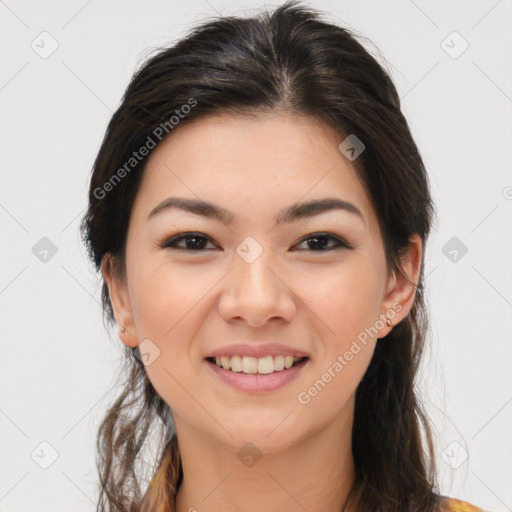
x=290, y=214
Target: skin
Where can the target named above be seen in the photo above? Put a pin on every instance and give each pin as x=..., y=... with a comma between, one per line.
x=189, y=304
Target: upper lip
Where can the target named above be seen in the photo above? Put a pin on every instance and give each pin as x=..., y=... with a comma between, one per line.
x=259, y=350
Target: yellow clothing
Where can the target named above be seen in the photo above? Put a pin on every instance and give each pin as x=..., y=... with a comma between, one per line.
x=455, y=505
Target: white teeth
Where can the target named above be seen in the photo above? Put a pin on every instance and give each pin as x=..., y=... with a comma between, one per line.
x=236, y=364
x=266, y=364
x=249, y=364
x=263, y=365
x=279, y=363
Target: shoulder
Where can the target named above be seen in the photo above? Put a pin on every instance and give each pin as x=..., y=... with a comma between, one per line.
x=455, y=505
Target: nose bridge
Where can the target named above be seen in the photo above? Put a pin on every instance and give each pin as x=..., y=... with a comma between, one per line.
x=254, y=277
x=254, y=290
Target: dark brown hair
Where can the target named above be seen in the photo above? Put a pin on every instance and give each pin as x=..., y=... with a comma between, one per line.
x=288, y=60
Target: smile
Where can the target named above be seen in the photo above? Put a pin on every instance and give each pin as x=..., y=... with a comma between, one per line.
x=252, y=380
x=260, y=365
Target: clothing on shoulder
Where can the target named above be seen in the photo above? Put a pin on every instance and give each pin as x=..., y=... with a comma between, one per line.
x=455, y=505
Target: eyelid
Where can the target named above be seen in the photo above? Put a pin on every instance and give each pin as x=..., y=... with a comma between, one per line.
x=179, y=235
x=342, y=243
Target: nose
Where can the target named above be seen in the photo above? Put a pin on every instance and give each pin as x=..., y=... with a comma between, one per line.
x=256, y=292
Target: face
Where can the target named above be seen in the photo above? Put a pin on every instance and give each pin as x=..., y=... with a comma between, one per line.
x=316, y=283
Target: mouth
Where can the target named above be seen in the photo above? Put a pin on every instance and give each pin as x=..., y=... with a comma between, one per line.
x=257, y=375
x=253, y=365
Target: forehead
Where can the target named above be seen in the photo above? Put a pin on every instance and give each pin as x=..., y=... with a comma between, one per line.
x=249, y=163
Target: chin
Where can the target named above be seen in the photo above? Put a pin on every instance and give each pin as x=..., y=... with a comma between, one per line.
x=270, y=435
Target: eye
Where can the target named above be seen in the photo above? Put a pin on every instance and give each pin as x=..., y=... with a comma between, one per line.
x=193, y=242
x=321, y=241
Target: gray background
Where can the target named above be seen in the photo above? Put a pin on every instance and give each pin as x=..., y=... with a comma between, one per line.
x=58, y=367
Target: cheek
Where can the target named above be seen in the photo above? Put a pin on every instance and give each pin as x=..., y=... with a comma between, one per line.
x=165, y=295
x=332, y=390
x=347, y=305
x=344, y=297
x=169, y=304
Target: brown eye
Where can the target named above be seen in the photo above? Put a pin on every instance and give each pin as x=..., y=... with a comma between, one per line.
x=192, y=242
x=319, y=242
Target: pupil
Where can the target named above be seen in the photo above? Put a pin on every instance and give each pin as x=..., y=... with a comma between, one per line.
x=198, y=245
x=322, y=244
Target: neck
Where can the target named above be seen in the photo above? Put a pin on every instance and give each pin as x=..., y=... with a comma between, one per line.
x=315, y=474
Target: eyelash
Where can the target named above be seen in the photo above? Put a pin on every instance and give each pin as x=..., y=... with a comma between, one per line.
x=169, y=243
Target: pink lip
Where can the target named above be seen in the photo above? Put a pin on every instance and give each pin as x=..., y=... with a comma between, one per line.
x=253, y=382
x=259, y=350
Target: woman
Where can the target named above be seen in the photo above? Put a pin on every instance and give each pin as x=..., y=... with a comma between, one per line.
x=259, y=213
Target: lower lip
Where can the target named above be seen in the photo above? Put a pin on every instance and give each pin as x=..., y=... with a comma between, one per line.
x=255, y=382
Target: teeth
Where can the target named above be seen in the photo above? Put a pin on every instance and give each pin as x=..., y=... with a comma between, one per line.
x=263, y=365
x=249, y=365
x=279, y=363
x=266, y=364
x=236, y=363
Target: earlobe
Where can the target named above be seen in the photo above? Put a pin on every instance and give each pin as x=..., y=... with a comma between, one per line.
x=119, y=299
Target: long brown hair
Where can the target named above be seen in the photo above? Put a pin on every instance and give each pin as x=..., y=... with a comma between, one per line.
x=286, y=60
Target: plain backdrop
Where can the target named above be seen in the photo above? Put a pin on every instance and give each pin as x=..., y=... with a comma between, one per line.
x=63, y=69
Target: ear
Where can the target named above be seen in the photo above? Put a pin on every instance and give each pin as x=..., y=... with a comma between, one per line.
x=120, y=301
x=400, y=294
